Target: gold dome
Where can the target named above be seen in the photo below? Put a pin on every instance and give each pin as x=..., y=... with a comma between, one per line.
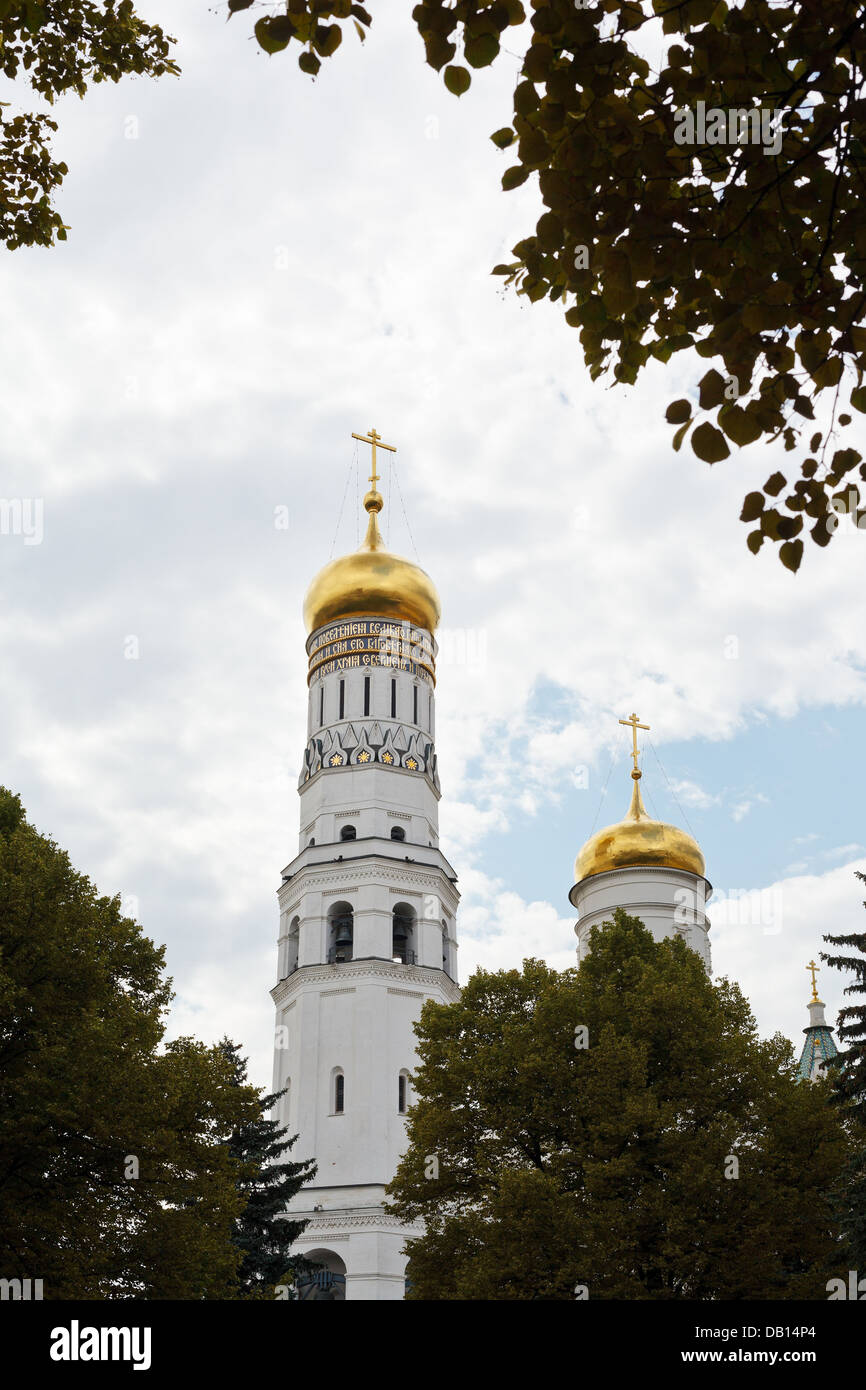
x=638, y=840
x=371, y=582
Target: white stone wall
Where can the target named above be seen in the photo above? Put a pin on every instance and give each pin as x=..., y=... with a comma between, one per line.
x=372, y=771
x=670, y=902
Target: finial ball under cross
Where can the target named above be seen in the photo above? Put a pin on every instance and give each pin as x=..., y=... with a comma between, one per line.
x=633, y=723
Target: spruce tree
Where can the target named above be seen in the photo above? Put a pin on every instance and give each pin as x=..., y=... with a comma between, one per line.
x=848, y=1069
x=263, y=1233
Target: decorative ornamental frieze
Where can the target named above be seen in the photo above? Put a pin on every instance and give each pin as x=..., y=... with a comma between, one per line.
x=338, y=1223
x=367, y=642
x=350, y=989
x=365, y=742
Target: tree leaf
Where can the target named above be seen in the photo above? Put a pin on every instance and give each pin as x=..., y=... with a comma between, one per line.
x=457, y=80
x=678, y=412
x=753, y=505
x=709, y=443
x=791, y=553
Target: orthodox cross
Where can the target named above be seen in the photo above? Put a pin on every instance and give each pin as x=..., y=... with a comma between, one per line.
x=376, y=441
x=632, y=721
x=813, y=967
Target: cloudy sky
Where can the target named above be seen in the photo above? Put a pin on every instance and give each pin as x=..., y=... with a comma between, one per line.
x=257, y=266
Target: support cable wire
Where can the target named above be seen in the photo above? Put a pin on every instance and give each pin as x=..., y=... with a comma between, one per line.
x=343, y=503
x=613, y=759
x=671, y=790
x=405, y=517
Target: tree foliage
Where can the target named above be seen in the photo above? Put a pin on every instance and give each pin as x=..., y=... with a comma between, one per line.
x=542, y=1168
x=848, y=1069
x=59, y=46
x=750, y=251
x=116, y=1175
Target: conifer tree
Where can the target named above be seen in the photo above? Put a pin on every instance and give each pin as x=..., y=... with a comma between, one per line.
x=262, y=1232
x=848, y=1069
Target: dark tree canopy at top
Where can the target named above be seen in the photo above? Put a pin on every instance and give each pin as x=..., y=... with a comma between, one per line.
x=710, y=204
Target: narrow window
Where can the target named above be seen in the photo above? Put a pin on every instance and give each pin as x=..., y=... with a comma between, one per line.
x=401, y=1093
x=321, y=705
x=366, y=694
x=339, y=1093
x=342, y=698
x=430, y=713
x=348, y=833
x=414, y=704
x=397, y=832
x=393, y=699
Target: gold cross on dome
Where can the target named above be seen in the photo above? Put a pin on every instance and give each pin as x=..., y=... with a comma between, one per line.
x=814, y=968
x=376, y=441
x=632, y=721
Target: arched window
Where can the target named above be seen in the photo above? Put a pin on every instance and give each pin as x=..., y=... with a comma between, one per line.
x=339, y=1092
x=348, y=833
x=341, y=928
x=445, y=952
x=312, y=842
x=403, y=934
x=397, y=832
x=402, y=1093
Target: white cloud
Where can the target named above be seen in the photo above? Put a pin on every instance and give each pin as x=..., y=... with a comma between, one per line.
x=169, y=383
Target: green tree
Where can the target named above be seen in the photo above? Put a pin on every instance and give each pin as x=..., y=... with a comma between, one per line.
x=661, y=231
x=60, y=46
x=848, y=1070
x=674, y=1156
x=115, y=1177
x=263, y=1234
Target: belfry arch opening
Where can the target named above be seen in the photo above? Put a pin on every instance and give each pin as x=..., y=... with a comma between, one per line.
x=341, y=932
x=293, y=946
x=326, y=1283
x=403, y=934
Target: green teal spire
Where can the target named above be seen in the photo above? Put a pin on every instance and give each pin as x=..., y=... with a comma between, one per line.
x=819, y=1046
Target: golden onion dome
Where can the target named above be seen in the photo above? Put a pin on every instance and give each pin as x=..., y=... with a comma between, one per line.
x=371, y=582
x=638, y=840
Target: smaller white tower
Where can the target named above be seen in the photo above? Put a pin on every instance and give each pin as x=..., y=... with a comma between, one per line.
x=650, y=869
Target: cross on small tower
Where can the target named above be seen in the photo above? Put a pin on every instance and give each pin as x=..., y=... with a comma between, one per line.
x=376, y=441
x=814, y=969
x=632, y=721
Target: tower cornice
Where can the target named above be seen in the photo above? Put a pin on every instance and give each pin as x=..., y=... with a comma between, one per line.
x=400, y=976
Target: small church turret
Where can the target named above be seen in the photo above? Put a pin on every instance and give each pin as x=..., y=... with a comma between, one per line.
x=652, y=870
x=819, y=1046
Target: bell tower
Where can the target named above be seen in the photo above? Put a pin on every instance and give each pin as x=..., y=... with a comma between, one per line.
x=367, y=906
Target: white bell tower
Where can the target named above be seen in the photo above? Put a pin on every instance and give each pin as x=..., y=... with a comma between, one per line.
x=367, y=907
